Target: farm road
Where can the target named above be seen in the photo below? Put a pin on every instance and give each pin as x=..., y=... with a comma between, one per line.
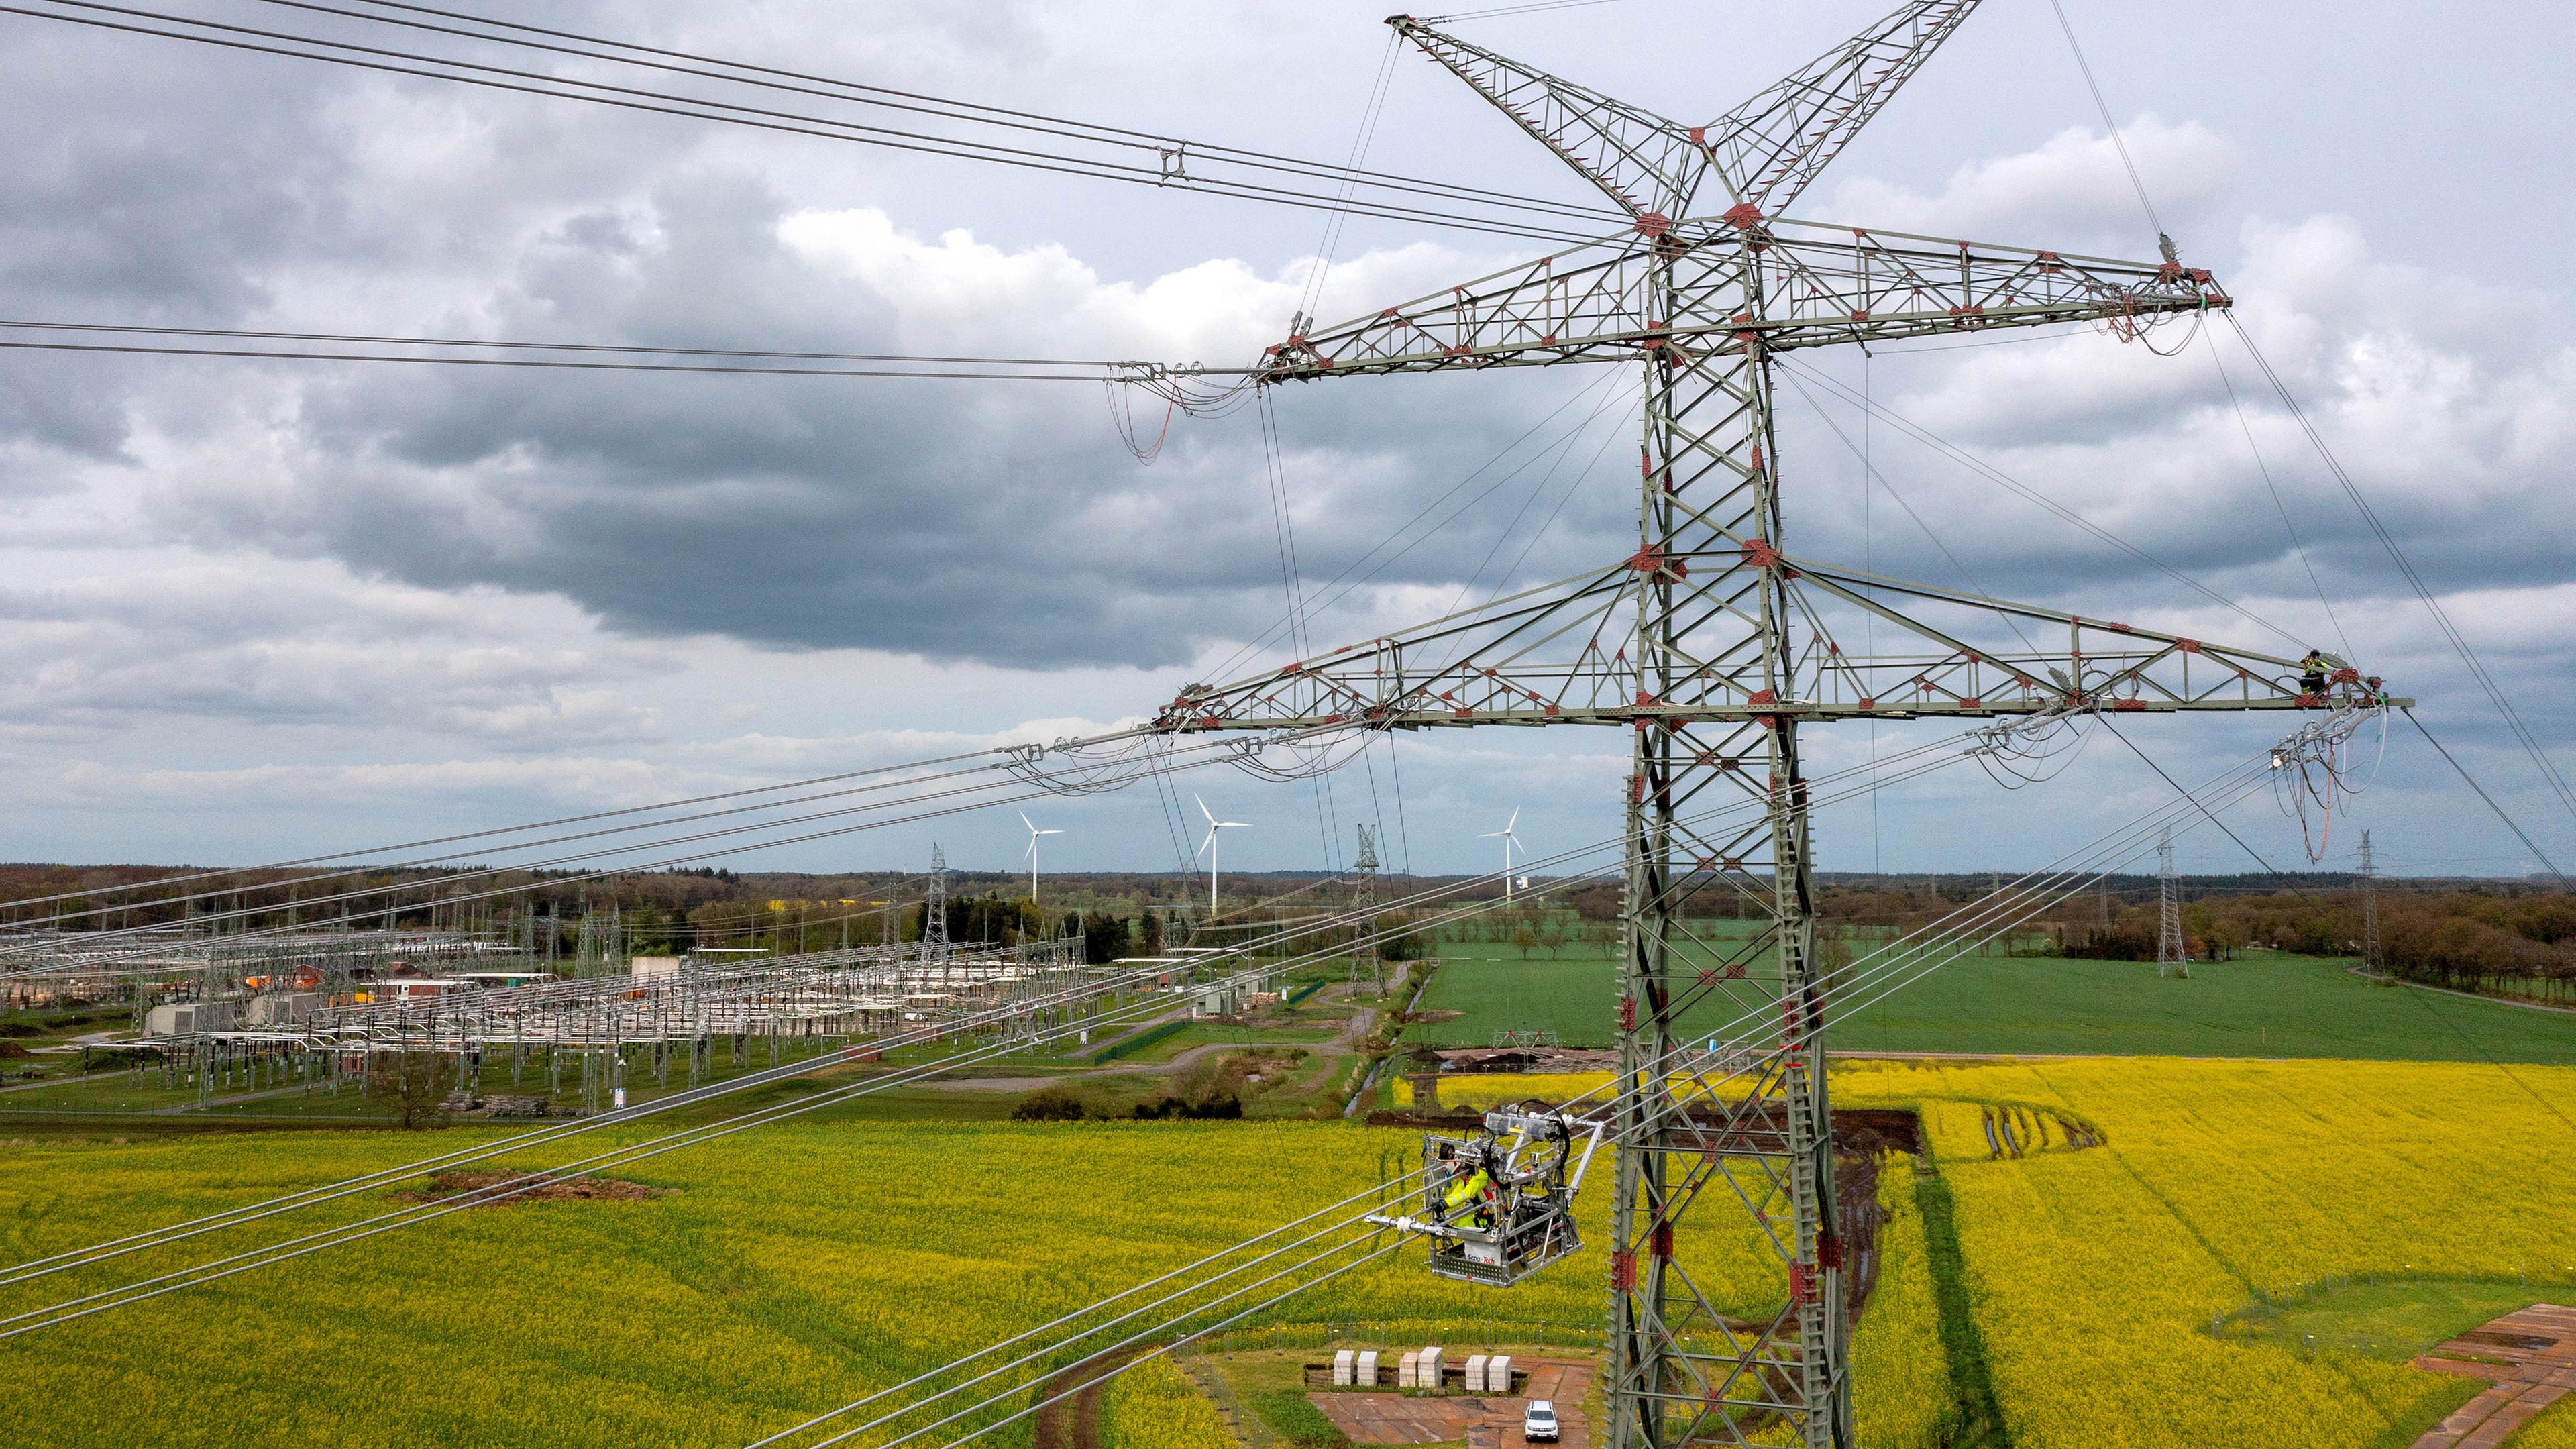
x=2463, y=995
x=2529, y=1357
x=1341, y=1044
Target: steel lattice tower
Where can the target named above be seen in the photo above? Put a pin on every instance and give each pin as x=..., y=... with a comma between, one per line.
x=1714, y=648
x=2369, y=905
x=2173, y=958
x=1364, y=959
x=934, y=910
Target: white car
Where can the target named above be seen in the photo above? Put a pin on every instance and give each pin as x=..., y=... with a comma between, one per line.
x=1538, y=1423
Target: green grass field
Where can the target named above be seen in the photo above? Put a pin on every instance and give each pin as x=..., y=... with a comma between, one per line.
x=1199, y=1034
x=2255, y=1006
x=2391, y=1321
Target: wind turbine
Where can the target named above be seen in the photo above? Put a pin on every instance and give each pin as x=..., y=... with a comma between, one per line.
x=1509, y=840
x=1207, y=848
x=1034, y=833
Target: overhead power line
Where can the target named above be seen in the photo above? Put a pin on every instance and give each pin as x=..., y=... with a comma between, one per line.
x=512, y=32
x=708, y=844
x=1449, y=901
x=584, y=356
x=2451, y=632
x=2472, y=782
x=1869, y=981
x=1992, y=474
x=1112, y=153
x=1499, y=11
x=2104, y=106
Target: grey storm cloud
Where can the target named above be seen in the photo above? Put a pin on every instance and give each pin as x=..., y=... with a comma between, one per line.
x=954, y=520
x=508, y=562
x=946, y=519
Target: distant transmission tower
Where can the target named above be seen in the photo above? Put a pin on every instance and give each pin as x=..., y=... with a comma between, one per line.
x=2171, y=958
x=2369, y=905
x=1364, y=959
x=934, y=918
x=1717, y=654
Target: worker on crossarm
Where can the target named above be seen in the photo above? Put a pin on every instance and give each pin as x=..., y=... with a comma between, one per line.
x=2312, y=673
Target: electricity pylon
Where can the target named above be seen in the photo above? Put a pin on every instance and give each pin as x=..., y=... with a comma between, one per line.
x=2173, y=958
x=1364, y=958
x=934, y=908
x=2369, y=906
x=1714, y=646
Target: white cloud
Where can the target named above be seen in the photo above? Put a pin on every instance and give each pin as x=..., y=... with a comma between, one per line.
x=2068, y=193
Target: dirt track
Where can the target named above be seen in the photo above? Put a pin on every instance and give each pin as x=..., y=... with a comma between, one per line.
x=583, y=1189
x=1074, y=1423
x=1341, y=1044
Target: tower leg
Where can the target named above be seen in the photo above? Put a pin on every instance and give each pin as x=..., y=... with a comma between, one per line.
x=1712, y=624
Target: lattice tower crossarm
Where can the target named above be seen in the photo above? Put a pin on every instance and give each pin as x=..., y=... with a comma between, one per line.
x=1713, y=647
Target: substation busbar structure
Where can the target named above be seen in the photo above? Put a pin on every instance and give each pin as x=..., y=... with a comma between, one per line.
x=1716, y=647
x=795, y=1004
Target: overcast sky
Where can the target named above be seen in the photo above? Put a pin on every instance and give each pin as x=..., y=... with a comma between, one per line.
x=254, y=609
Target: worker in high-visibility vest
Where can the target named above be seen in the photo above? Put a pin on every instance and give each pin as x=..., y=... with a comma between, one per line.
x=2312, y=673
x=1466, y=1196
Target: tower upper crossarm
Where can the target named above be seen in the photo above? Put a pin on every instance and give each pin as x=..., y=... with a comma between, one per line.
x=1647, y=164
x=1767, y=149
x=1586, y=303
x=1818, y=285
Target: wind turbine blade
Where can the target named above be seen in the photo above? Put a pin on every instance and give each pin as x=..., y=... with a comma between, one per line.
x=1515, y=820
x=1203, y=810
x=1024, y=820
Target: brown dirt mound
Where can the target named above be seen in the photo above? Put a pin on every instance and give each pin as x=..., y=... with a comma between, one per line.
x=583, y=1189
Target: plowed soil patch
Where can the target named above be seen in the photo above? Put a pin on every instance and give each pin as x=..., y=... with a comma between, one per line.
x=583, y=1189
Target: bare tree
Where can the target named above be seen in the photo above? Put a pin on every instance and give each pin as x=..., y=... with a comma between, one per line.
x=415, y=1084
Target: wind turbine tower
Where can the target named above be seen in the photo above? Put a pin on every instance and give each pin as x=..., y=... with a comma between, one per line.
x=1207, y=848
x=1510, y=841
x=1034, y=833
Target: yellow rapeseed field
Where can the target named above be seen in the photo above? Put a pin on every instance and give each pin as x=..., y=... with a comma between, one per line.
x=2095, y=1273
x=798, y=1267
x=792, y=1269
x=2554, y=1429
x=1152, y=1406
x=1901, y=1386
